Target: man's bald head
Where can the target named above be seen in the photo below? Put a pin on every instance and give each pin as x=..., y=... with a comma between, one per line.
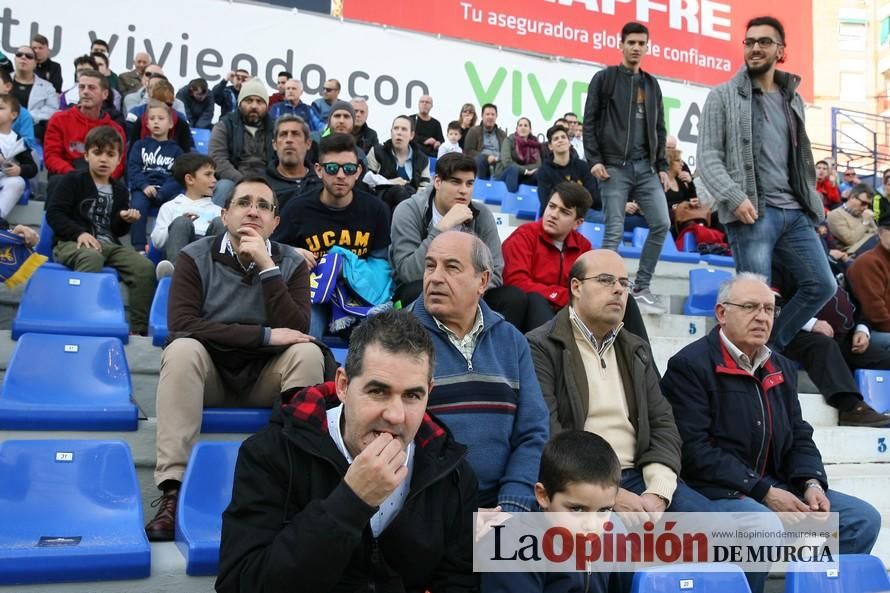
x=598, y=287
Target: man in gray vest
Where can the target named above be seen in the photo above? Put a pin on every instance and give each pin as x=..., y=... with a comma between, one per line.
x=238, y=310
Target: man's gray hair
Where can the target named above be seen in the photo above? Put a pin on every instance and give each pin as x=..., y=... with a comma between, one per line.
x=727, y=286
x=482, y=260
x=288, y=117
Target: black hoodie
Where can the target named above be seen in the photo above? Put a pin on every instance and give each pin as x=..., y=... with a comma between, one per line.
x=294, y=525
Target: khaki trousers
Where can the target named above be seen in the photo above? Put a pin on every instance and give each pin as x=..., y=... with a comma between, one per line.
x=189, y=382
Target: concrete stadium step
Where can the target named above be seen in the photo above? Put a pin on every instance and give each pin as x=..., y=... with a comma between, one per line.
x=167, y=576
x=845, y=444
x=816, y=411
x=678, y=326
x=663, y=348
x=30, y=214
x=864, y=480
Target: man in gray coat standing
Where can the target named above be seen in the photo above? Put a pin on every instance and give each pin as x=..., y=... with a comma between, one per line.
x=754, y=158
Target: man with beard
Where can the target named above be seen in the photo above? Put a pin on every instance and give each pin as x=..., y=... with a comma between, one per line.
x=755, y=159
x=241, y=143
x=290, y=176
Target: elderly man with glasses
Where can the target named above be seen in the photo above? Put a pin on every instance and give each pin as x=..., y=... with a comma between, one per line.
x=746, y=445
x=853, y=224
x=238, y=310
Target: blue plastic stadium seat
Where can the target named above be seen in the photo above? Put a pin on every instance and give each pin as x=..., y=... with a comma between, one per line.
x=202, y=140
x=75, y=303
x=489, y=191
x=70, y=510
x=45, y=247
x=698, y=578
x=875, y=388
x=58, y=382
x=856, y=573
x=26, y=195
x=525, y=207
x=704, y=283
x=340, y=354
x=690, y=245
x=155, y=254
x=719, y=260
x=669, y=251
x=530, y=191
x=594, y=231
x=205, y=494
x=157, y=316
x=234, y=419
x=433, y=165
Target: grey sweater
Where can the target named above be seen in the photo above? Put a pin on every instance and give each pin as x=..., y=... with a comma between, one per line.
x=412, y=231
x=727, y=145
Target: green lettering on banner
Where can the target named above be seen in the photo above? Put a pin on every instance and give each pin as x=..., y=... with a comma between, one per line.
x=484, y=95
x=670, y=103
x=547, y=108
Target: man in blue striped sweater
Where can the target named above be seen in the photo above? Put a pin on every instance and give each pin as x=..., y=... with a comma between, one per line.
x=485, y=388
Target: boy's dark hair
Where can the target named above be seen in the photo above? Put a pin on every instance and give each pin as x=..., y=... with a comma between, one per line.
x=633, y=27
x=103, y=82
x=822, y=163
x=406, y=118
x=487, y=106
x=577, y=456
x=285, y=73
x=862, y=188
x=101, y=42
x=12, y=101
x=451, y=163
x=769, y=21
x=396, y=332
x=251, y=179
x=100, y=56
x=86, y=59
x=551, y=131
x=102, y=138
x=41, y=39
x=453, y=125
x=188, y=164
x=573, y=195
x=5, y=77
x=198, y=85
x=335, y=143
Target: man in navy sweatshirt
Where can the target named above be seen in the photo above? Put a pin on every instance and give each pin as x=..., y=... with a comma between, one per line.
x=485, y=388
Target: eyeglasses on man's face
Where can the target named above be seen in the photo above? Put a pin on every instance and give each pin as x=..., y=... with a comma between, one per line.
x=763, y=42
x=754, y=308
x=608, y=281
x=245, y=203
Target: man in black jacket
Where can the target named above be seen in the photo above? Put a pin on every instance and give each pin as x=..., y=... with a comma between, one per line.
x=402, y=162
x=290, y=176
x=746, y=445
x=624, y=137
x=353, y=487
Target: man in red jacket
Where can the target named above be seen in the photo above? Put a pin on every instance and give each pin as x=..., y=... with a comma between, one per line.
x=827, y=187
x=63, y=144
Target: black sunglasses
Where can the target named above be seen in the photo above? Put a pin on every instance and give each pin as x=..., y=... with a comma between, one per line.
x=333, y=168
x=21, y=54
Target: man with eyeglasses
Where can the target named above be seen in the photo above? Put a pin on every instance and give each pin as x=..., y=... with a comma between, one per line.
x=226, y=93
x=746, y=445
x=45, y=67
x=141, y=96
x=33, y=92
x=238, y=313
x=853, y=224
x=335, y=214
x=330, y=94
x=755, y=159
x=850, y=179
x=599, y=377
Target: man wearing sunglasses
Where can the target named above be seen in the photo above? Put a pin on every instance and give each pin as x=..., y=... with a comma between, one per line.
x=755, y=159
x=330, y=93
x=853, y=224
x=335, y=214
x=746, y=445
x=238, y=313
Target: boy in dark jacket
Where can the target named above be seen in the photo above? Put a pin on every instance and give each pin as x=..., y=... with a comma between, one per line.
x=579, y=474
x=562, y=165
x=353, y=486
x=89, y=212
x=150, y=168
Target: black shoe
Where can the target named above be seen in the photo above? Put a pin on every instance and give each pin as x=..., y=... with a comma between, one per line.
x=863, y=415
x=163, y=527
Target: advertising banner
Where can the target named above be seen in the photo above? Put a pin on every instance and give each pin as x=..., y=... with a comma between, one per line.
x=698, y=41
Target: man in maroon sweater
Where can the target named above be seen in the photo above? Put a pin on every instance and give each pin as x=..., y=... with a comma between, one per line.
x=238, y=310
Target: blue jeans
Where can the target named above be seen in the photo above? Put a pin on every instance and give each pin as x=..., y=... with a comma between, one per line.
x=138, y=229
x=224, y=188
x=512, y=176
x=639, y=182
x=788, y=236
x=483, y=167
x=881, y=340
x=859, y=525
x=319, y=320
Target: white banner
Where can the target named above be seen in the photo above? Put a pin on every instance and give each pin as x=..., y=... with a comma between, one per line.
x=208, y=38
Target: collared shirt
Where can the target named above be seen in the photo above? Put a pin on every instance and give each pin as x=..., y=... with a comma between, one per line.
x=405, y=171
x=741, y=359
x=608, y=339
x=226, y=247
x=390, y=507
x=467, y=344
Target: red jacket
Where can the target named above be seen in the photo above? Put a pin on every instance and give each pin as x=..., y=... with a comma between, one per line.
x=532, y=262
x=830, y=195
x=64, y=139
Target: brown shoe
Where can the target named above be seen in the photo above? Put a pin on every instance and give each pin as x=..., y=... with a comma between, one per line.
x=163, y=527
x=863, y=415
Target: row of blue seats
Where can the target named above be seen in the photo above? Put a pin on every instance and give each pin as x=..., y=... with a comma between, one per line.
x=95, y=531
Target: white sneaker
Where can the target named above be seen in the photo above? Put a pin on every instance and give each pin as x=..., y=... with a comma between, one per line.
x=648, y=302
x=165, y=268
